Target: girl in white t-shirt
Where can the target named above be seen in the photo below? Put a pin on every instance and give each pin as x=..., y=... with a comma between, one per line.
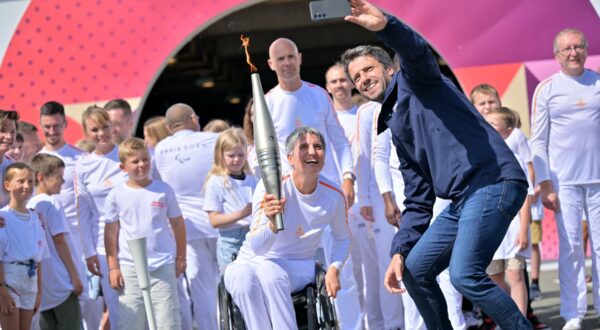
x=22, y=247
x=228, y=193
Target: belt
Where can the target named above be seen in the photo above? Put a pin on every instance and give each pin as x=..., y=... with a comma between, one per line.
x=30, y=264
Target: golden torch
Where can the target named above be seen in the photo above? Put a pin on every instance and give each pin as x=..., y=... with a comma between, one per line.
x=265, y=139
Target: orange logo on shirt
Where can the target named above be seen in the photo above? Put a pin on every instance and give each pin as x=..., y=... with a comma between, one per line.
x=108, y=183
x=581, y=104
x=299, y=231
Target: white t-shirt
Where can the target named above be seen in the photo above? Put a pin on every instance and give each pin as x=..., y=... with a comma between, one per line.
x=508, y=248
x=304, y=218
x=70, y=155
x=22, y=238
x=229, y=196
x=4, y=199
x=144, y=212
x=183, y=161
x=310, y=106
x=56, y=281
x=565, y=138
x=96, y=176
x=517, y=142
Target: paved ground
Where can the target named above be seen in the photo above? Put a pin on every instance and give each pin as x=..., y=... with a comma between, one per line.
x=548, y=307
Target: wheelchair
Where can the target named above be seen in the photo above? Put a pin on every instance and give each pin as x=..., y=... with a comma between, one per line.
x=314, y=309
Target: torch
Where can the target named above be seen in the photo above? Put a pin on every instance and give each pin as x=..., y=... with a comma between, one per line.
x=265, y=139
x=140, y=260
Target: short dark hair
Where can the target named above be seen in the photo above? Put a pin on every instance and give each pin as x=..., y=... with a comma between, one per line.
x=52, y=108
x=119, y=104
x=376, y=52
x=46, y=164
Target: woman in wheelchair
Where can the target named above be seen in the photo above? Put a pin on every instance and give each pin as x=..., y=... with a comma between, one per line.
x=272, y=265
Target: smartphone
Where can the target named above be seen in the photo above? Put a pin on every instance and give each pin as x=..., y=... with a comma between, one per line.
x=329, y=9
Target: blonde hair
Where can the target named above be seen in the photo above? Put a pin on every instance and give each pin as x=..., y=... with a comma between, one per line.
x=96, y=114
x=216, y=126
x=227, y=140
x=485, y=89
x=157, y=130
x=11, y=170
x=85, y=145
x=130, y=146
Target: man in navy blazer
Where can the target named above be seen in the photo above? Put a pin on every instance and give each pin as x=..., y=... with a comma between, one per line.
x=446, y=149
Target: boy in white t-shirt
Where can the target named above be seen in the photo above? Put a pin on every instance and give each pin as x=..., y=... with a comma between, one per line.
x=22, y=248
x=142, y=207
x=61, y=283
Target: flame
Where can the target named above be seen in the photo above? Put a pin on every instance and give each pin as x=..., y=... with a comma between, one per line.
x=245, y=44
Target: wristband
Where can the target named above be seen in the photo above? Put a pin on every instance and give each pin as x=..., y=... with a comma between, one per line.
x=180, y=258
x=110, y=270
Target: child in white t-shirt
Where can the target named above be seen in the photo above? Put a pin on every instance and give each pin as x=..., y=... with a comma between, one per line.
x=142, y=207
x=61, y=283
x=516, y=246
x=228, y=193
x=22, y=247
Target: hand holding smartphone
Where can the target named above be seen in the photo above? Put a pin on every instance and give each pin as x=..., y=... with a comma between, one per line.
x=329, y=9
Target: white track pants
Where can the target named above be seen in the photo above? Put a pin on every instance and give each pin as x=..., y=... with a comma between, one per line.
x=364, y=242
x=393, y=308
x=111, y=296
x=203, y=275
x=453, y=300
x=576, y=203
x=262, y=289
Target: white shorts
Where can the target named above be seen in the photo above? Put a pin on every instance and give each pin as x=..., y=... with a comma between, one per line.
x=22, y=288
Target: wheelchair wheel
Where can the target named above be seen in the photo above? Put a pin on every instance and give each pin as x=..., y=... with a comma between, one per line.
x=224, y=313
x=325, y=308
x=230, y=317
x=311, y=309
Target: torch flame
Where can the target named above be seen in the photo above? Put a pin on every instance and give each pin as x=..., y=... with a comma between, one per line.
x=245, y=44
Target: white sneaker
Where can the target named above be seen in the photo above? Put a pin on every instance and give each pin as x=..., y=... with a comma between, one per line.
x=573, y=324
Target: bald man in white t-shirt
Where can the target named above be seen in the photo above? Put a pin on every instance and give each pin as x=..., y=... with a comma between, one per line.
x=294, y=103
x=183, y=161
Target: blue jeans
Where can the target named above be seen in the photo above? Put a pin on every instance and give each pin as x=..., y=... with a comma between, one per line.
x=465, y=239
x=229, y=243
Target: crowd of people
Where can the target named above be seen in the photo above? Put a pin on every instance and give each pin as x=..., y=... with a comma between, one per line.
x=426, y=202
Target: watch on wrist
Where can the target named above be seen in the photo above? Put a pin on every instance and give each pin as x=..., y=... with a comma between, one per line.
x=349, y=176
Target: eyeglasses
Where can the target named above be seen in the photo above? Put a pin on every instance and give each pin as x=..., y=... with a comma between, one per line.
x=576, y=48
